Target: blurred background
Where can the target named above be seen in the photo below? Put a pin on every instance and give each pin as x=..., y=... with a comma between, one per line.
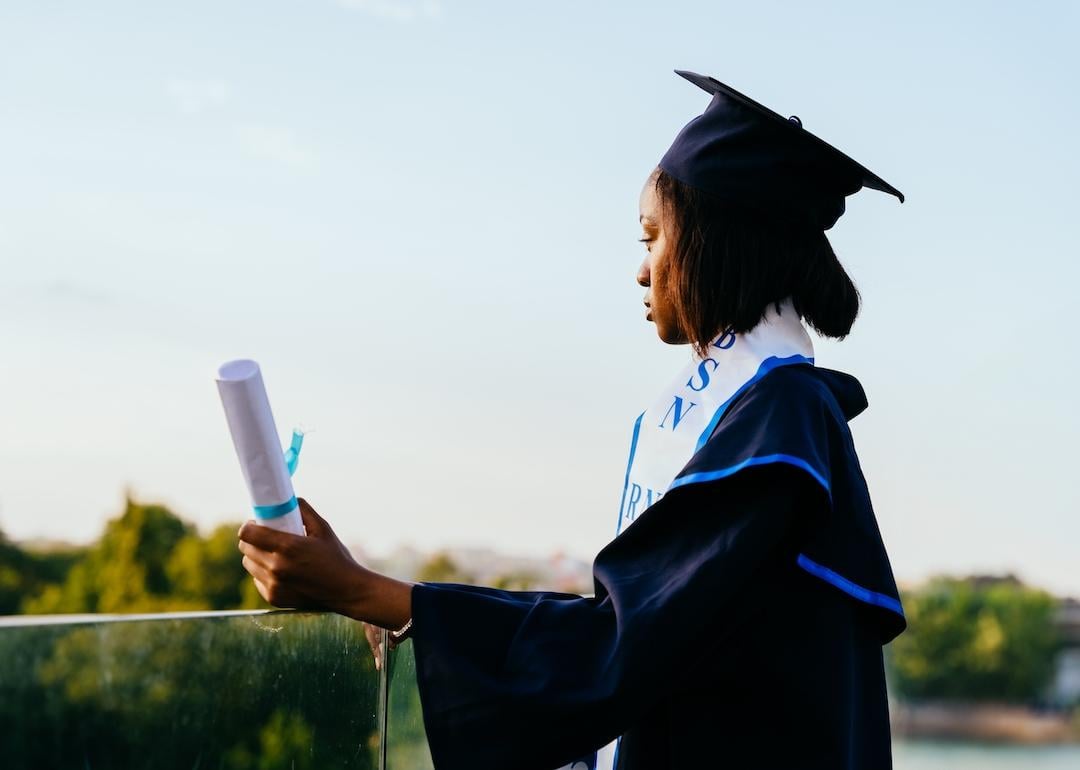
x=421, y=219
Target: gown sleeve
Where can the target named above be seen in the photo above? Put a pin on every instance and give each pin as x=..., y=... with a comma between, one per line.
x=533, y=680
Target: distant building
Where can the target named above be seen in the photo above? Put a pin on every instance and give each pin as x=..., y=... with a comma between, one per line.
x=485, y=566
x=1065, y=688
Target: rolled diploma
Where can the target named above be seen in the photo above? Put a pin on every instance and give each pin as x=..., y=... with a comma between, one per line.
x=251, y=423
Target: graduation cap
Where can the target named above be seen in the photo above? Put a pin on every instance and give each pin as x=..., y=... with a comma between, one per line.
x=758, y=161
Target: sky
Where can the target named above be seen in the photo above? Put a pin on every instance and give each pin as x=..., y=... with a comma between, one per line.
x=421, y=219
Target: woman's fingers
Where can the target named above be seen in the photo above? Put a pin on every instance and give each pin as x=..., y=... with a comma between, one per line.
x=256, y=570
x=270, y=587
x=314, y=524
x=260, y=587
x=267, y=538
x=274, y=591
x=257, y=555
x=374, y=636
x=268, y=593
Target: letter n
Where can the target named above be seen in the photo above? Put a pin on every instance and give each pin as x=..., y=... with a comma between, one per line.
x=677, y=408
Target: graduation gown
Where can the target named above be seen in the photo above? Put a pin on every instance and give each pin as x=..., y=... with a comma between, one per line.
x=737, y=622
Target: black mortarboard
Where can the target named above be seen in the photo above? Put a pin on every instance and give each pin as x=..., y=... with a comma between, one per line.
x=749, y=156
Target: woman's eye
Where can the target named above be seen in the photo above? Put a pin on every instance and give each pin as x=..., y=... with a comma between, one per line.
x=646, y=241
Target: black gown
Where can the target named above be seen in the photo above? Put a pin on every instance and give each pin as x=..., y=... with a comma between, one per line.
x=738, y=622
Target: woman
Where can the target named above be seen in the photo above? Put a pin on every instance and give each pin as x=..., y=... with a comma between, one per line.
x=739, y=615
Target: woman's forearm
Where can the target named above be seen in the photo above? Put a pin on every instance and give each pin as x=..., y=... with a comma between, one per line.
x=378, y=599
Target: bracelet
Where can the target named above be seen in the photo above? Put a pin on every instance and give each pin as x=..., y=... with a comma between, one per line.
x=402, y=633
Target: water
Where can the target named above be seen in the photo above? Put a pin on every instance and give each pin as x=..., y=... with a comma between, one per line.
x=938, y=755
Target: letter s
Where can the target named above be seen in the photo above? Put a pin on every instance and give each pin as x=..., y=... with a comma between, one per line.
x=703, y=373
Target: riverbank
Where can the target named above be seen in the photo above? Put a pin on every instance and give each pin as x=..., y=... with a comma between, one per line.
x=998, y=723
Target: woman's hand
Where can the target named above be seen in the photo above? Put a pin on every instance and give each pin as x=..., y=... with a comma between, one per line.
x=313, y=572
x=374, y=639
x=318, y=572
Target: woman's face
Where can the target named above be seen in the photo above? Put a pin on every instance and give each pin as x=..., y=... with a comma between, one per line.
x=654, y=273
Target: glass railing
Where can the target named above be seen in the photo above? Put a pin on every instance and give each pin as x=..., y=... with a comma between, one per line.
x=255, y=690
x=406, y=741
x=223, y=690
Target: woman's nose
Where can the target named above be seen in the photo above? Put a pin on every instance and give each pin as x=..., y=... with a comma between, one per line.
x=643, y=273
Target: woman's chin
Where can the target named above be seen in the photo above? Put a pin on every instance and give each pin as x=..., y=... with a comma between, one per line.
x=670, y=336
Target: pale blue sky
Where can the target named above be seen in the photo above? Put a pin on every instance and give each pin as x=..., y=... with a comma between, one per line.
x=421, y=219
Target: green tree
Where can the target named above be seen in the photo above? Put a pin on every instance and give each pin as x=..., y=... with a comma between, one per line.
x=125, y=571
x=147, y=560
x=971, y=639
x=25, y=572
x=209, y=571
x=13, y=562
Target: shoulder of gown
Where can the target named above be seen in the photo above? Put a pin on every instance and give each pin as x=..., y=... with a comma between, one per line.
x=798, y=416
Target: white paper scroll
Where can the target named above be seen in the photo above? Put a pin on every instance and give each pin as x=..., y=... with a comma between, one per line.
x=247, y=410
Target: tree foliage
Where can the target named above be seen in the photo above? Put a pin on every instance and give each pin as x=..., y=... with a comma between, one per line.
x=25, y=573
x=147, y=560
x=975, y=640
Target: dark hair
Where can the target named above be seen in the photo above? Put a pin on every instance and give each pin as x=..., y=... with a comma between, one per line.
x=729, y=264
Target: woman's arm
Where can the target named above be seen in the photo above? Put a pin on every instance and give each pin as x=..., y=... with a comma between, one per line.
x=318, y=571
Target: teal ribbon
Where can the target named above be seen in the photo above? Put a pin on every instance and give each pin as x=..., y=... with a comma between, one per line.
x=273, y=511
x=292, y=454
x=292, y=459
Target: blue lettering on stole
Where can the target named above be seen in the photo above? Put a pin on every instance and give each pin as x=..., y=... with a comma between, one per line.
x=651, y=496
x=725, y=341
x=631, y=504
x=677, y=407
x=703, y=373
